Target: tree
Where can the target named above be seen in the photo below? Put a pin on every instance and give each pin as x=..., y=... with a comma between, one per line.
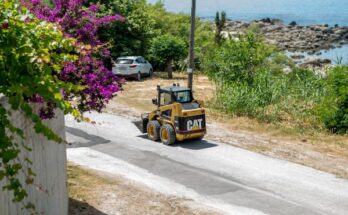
x=131, y=37
x=165, y=50
x=220, y=21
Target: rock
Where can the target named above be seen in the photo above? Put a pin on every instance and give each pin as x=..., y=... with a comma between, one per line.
x=340, y=31
x=276, y=21
x=293, y=37
x=272, y=28
x=297, y=56
x=345, y=36
x=293, y=23
x=266, y=20
x=316, y=62
x=287, y=69
x=320, y=28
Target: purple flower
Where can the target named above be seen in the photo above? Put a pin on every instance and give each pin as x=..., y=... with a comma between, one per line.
x=36, y=99
x=99, y=84
x=93, y=8
x=109, y=19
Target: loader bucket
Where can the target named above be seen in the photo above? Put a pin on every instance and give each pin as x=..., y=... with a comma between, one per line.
x=142, y=124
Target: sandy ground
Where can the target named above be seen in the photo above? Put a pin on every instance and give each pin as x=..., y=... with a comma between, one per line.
x=319, y=150
x=96, y=193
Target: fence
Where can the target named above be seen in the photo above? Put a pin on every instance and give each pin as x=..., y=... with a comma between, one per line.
x=49, y=194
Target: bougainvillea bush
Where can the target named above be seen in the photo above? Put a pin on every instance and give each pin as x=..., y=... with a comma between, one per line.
x=81, y=23
x=52, y=57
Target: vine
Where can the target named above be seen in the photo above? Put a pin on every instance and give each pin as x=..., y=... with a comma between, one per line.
x=40, y=62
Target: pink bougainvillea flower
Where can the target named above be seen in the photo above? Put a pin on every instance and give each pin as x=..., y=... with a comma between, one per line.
x=99, y=83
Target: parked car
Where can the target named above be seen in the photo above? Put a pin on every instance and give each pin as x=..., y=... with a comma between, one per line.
x=132, y=66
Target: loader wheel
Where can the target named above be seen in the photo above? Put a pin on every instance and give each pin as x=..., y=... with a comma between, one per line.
x=167, y=134
x=153, y=130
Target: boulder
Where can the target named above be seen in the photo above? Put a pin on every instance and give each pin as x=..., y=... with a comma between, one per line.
x=297, y=56
x=266, y=20
x=316, y=62
x=293, y=23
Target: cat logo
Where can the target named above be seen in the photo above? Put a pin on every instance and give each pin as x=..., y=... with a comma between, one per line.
x=194, y=124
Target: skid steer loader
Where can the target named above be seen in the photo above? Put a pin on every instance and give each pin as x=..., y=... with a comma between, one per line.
x=178, y=116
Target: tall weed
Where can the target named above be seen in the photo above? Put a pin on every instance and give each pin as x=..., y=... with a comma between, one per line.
x=251, y=82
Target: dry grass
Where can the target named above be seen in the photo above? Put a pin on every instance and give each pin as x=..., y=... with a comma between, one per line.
x=94, y=193
x=315, y=149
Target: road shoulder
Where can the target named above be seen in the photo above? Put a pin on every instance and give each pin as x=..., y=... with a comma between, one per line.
x=99, y=193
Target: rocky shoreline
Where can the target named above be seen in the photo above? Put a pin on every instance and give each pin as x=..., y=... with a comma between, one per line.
x=292, y=37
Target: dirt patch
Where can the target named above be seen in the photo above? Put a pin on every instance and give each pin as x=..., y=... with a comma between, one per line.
x=95, y=193
x=317, y=150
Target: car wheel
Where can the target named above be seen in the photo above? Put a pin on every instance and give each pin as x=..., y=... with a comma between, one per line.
x=153, y=130
x=167, y=134
x=139, y=76
x=150, y=73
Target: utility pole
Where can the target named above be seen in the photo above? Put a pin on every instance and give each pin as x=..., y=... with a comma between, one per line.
x=192, y=45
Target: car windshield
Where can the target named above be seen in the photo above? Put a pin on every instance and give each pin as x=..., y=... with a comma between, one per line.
x=183, y=96
x=124, y=61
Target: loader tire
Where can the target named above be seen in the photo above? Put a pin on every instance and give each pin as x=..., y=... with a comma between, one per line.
x=153, y=130
x=167, y=134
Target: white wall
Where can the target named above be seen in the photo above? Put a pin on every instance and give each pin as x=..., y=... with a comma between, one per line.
x=49, y=163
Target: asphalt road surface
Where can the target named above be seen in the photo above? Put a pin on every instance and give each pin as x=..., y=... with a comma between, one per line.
x=230, y=179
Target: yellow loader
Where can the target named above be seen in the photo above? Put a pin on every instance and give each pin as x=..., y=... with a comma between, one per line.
x=178, y=116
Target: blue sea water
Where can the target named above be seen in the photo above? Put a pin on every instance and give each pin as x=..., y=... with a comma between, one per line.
x=304, y=12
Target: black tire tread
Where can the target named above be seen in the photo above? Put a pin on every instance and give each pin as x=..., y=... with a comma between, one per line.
x=172, y=136
x=157, y=126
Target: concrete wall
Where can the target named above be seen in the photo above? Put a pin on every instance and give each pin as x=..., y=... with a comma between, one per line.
x=49, y=163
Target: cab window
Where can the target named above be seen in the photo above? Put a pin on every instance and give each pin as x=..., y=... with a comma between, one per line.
x=183, y=97
x=166, y=99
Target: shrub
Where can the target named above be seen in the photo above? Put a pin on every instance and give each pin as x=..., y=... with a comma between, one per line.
x=238, y=59
x=50, y=57
x=165, y=50
x=76, y=21
x=32, y=53
x=251, y=82
x=334, y=108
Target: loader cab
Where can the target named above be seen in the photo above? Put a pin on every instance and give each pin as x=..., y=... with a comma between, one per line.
x=170, y=95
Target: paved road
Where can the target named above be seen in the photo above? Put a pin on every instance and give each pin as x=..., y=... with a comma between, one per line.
x=233, y=180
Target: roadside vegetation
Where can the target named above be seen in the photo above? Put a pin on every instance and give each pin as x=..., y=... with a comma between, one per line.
x=49, y=61
x=255, y=80
x=149, y=26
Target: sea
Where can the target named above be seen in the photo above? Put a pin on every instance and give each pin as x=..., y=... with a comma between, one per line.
x=303, y=12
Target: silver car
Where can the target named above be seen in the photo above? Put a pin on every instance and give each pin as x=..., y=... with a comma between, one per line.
x=132, y=66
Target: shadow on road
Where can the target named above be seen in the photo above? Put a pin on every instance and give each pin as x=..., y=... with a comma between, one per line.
x=189, y=144
x=77, y=207
x=195, y=144
x=89, y=139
